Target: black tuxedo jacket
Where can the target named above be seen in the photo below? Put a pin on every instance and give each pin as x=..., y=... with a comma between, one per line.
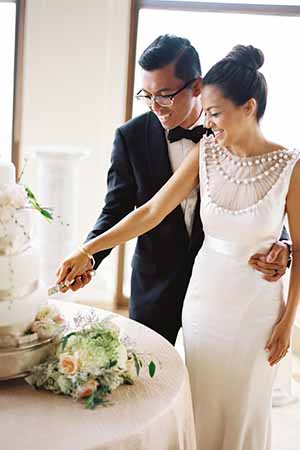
x=140, y=166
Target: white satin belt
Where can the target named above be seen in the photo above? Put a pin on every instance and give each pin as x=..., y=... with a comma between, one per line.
x=10, y=294
x=232, y=248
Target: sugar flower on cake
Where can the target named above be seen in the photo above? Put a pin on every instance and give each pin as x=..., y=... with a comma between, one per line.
x=16, y=194
x=45, y=328
x=12, y=197
x=49, y=312
x=48, y=322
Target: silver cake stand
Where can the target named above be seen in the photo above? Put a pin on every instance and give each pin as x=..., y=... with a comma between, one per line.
x=15, y=362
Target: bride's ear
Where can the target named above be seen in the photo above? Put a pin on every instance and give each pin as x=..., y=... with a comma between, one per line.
x=250, y=107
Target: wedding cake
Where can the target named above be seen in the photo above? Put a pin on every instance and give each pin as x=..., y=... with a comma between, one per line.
x=21, y=293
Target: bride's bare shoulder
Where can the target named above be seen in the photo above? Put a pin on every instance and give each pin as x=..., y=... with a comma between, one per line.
x=274, y=146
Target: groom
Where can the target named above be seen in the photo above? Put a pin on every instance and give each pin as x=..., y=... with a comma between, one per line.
x=146, y=152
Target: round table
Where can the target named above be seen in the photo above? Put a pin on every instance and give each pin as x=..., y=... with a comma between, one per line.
x=154, y=413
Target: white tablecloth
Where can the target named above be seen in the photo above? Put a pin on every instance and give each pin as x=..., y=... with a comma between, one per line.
x=153, y=414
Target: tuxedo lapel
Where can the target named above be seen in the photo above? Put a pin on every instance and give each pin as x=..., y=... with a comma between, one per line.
x=160, y=166
x=158, y=157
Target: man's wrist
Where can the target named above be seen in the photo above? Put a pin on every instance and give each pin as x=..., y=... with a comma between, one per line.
x=289, y=245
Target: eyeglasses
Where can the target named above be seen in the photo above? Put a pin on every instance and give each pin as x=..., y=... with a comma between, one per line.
x=161, y=100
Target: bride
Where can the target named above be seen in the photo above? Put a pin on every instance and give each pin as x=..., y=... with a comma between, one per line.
x=236, y=325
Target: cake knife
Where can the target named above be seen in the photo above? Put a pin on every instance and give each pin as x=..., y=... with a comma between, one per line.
x=56, y=288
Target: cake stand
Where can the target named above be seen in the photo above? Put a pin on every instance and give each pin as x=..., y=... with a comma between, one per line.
x=15, y=362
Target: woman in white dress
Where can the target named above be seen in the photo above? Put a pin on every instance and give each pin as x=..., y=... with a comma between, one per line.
x=236, y=325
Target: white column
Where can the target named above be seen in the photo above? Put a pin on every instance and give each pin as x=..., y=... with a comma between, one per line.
x=58, y=175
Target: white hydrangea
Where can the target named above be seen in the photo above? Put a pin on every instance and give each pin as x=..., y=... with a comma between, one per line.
x=17, y=195
x=12, y=197
x=7, y=212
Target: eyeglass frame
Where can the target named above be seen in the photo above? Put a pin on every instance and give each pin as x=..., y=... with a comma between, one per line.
x=152, y=98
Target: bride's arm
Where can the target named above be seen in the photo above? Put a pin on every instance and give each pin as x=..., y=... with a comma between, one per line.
x=140, y=220
x=280, y=339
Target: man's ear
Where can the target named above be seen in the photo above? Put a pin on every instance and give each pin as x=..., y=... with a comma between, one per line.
x=197, y=87
x=250, y=107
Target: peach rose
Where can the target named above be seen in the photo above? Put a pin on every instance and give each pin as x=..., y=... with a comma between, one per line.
x=59, y=319
x=68, y=364
x=87, y=388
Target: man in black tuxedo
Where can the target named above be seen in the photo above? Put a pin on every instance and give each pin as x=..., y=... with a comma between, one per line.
x=146, y=151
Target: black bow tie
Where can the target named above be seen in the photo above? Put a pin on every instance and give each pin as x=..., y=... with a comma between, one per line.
x=182, y=133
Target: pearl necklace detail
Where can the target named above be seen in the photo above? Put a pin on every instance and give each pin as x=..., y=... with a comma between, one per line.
x=278, y=160
x=266, y=171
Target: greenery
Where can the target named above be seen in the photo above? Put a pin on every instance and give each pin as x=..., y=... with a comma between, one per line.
x=33, y=202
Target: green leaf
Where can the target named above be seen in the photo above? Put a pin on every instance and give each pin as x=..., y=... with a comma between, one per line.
x=94, y=400
x=136, y=362
x=32, y=200
x=65, y=339
x=90, y=402
x=46, y=214
x=29, y=193
x=152, y=368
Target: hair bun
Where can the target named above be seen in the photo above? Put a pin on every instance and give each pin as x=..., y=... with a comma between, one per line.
x=247, y=55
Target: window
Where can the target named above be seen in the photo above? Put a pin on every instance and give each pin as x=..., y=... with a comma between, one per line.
x=7, y=62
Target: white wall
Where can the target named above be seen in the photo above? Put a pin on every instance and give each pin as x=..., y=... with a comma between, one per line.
x=74, y=94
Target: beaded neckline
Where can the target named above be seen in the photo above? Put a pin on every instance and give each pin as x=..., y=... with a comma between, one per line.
x=254, y=157
x=239, y=184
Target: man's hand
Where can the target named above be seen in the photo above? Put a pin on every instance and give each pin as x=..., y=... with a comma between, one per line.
x=273, y=264
x=81, y=281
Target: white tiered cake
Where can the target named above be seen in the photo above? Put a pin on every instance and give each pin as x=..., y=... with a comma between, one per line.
x=21, y=293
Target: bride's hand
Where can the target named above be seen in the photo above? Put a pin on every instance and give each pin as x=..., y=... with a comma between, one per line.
x=76, y=264
x=279, y=342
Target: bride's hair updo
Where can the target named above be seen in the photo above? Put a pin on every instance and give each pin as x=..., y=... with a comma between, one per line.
x=238, y=78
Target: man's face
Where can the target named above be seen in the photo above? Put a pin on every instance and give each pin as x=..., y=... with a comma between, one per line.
x=186, y=105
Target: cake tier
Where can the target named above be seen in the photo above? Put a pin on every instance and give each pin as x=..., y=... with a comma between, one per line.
x=15, y=234
x=16, y=316
x=7, y=173
x=19, y=274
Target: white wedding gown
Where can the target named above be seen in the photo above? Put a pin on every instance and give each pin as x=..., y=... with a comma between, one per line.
x=229, y=310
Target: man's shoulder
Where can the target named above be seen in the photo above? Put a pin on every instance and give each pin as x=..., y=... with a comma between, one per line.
x=138, y=123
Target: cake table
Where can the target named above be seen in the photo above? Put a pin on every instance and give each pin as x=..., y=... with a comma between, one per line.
x=152, y=414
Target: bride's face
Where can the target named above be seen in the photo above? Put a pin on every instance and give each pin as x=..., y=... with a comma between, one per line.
x=227, y=120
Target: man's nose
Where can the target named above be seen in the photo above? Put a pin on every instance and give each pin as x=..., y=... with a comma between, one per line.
x=155, y=106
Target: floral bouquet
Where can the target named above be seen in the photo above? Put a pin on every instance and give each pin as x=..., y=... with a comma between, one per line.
x=89, y=364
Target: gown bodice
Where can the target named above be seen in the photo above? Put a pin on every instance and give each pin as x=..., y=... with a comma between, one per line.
x=243, y=199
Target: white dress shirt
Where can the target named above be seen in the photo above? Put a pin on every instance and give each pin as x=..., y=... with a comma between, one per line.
x=177, y=152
